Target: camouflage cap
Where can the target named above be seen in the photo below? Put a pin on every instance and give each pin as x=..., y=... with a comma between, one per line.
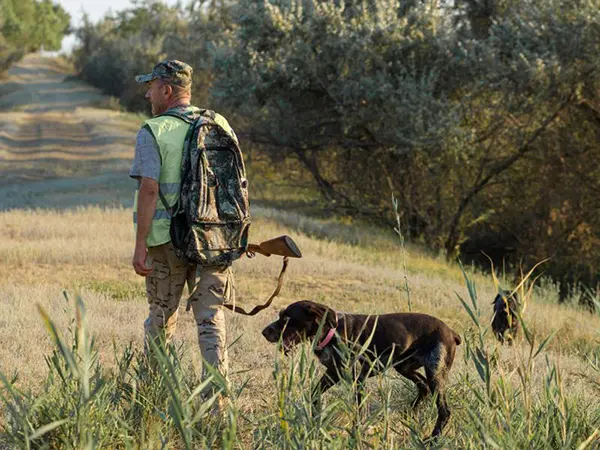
x=171, y=70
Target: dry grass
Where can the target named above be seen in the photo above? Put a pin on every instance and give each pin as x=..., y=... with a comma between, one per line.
x=88, y=250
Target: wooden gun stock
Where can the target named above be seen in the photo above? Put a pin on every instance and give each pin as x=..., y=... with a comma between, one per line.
x=282, y=246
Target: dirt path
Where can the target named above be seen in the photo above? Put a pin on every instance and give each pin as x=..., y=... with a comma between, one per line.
x=57, y=147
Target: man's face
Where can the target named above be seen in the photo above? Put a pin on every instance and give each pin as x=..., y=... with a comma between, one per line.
x=159, y=94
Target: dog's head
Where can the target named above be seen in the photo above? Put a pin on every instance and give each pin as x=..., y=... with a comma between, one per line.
x=505, y=303
x=298, y=322
x=505, y=315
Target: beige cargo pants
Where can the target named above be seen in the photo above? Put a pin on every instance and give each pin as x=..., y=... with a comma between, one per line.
x=164, y=287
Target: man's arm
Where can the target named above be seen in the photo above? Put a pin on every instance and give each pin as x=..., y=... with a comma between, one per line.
x=146, y=169
x=147, y=198
x=146, y=207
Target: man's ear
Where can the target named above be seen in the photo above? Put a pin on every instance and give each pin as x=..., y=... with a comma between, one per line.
x=168, y=89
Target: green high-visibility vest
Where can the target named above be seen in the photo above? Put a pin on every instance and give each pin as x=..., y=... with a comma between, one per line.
x=169, y=133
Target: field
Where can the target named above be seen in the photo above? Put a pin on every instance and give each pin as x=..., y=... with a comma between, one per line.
x=65, y=226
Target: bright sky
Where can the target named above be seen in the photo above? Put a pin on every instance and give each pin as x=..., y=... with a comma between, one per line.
x=96, y=9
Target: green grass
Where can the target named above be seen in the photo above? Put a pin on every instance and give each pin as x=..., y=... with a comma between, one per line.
x=157, y=402
x=116, y=290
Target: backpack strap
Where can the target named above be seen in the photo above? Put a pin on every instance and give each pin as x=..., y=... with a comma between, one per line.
x=190, y=119
x=170, y=209
x=206, y=115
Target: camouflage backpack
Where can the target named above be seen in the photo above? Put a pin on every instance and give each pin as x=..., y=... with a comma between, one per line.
x=211, y=219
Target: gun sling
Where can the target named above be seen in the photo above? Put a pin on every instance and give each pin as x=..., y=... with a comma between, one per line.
x=259, y=308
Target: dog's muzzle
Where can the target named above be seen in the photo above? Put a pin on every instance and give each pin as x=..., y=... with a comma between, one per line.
x=270, y=333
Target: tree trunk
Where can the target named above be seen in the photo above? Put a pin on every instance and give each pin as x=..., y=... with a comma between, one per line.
x=451, y=243
x=325, y=187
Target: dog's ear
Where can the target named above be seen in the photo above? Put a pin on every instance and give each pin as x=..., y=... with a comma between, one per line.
x=331, y=318
x=322, y=311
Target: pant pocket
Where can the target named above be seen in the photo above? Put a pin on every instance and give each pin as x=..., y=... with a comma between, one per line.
x=157, y=283
x=215, y=285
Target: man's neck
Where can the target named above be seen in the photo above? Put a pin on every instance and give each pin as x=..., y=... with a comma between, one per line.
x=182, y=102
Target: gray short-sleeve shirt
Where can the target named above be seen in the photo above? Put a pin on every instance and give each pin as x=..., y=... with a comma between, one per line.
x=146, y=160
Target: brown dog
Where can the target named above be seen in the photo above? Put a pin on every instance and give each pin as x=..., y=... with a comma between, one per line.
x=408, y=341
x=505, y=323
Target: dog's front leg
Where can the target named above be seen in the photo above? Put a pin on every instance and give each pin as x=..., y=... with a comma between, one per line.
x=360, y=375
x=329, y=378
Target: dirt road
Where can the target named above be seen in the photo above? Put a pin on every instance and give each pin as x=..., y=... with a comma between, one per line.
x=58, y=146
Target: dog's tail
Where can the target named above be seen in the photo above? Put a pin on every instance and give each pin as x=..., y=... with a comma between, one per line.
x=457, y=338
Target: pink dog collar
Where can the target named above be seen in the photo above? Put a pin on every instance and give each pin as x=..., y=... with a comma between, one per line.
x=321, y=345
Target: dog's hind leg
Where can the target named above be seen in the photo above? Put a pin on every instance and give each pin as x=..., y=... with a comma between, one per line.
x=500, y=337
x=419, y=380
x=443, y=412
x=437, y=365
x=436, y=383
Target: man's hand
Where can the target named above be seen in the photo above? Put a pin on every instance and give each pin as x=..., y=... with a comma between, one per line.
x=139, y=261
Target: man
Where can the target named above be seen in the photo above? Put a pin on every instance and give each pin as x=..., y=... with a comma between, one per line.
x=157, y=165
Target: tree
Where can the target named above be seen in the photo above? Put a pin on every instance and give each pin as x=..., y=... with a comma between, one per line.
x=29, y=25
x=132, y=41
x=320, y=78
x=442, y=114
